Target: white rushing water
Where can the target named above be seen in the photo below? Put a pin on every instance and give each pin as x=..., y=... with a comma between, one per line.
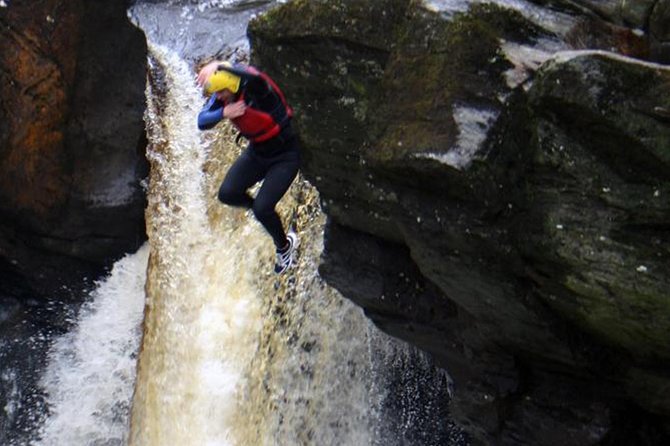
x=234, y=355
x=202, y=311
x=91, y=370
x=229, y=353
x=211, y=297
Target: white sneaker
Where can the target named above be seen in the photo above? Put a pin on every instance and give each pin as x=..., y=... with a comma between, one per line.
x=285, y=258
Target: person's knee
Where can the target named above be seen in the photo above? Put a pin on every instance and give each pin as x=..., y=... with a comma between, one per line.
x=230, y=196
x=225, y=195
x=262, y=210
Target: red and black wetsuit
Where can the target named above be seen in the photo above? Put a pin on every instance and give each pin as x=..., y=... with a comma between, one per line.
x=272, y=154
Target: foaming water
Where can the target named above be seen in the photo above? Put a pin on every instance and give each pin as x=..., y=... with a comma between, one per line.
x=324, y=374
x=91, y=370
x=198, y=29
x=235, y=355
x=202, y=311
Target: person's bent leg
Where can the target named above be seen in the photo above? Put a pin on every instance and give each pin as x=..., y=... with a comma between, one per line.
x=244, y=173
x=277, y=181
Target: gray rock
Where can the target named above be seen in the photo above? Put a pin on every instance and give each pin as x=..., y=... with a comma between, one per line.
x=510, y=221
x=636, y=12
x=603, y=155
x=659, y=22
x=659, y=27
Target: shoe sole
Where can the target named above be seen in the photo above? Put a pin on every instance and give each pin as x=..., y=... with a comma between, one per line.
x=294, y=246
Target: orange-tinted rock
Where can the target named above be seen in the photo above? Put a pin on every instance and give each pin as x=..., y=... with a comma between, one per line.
x=53, y=53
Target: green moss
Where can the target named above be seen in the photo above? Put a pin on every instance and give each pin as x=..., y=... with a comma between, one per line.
x=508, y=22
x=343, y=19
x=358, y=87
x=402, y=139
x=436, y=64
x=624, y=316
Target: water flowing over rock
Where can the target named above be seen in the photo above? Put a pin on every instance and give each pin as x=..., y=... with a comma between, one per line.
x=233, y=354
x=72, y=78
x=497, y=198
x=71, y=139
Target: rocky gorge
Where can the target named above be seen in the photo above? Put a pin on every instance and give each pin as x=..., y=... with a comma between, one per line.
x=495, y=174
x=496, y=178
x=72, y=80
x=71, y=140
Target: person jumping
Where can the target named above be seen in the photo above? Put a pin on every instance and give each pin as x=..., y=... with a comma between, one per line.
x=255, y=105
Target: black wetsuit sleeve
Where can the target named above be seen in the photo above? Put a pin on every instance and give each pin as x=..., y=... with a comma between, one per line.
x=211, y=114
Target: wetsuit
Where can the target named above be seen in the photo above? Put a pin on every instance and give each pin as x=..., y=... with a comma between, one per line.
x=276, y=160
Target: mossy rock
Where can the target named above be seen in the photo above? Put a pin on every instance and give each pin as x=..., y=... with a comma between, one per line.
x=512, y=236
x=602, y=170
x=348, y=20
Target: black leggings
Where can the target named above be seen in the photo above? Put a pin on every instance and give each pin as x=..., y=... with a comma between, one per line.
x=277, y=166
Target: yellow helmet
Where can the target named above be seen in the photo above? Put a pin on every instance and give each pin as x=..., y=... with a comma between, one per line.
x=222, y=80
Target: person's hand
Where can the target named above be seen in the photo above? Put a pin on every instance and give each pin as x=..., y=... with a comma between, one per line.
x=206, y=72
x=234, y=110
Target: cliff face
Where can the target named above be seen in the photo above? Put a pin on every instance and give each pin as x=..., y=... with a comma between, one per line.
x=71, y=139
x=496, y=198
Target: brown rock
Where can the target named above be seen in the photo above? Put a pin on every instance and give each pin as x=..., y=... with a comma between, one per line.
x=63, y=65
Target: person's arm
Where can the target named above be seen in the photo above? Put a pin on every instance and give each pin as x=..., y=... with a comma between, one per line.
x=211, y=114
x=206, y=71
x=253, y=83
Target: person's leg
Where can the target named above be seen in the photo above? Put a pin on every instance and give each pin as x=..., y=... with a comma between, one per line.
x=244, y=173
x=279, y=177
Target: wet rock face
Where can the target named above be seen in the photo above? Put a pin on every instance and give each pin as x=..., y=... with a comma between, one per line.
x=659, y=27
x=608, y=148
x=649, y=18
x=71, y=138
x=495, y=199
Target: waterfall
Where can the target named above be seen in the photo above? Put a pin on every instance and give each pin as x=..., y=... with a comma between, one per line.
x=235, y=355
x=193, y=340
x=202, y=305
x=91, y=370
